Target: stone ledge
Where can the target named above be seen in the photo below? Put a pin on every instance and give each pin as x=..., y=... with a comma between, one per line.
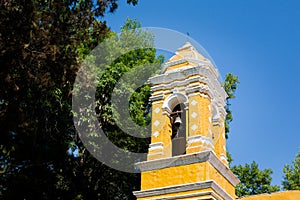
x=189, y=159
x=183, y=188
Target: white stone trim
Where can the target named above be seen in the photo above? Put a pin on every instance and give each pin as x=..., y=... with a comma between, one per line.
x=155, y=154
x=215, y=112
x=156, y=146
x=157, y=110
x=199, y=138
x=223, y=157
x=184, y=188
x=222, y=111
x=157, y=97
x=165, y=81
x=179, y=69
x=199, y=88
x=157, y=102
x=183, y=60
x=196, y=194
x=194, y=127
x=173, y=100
x=210, y=133
x=156, y=134
x=194, y=102
x=200, y=146
x=189, y=159
x=156, y=123
x=194, y=115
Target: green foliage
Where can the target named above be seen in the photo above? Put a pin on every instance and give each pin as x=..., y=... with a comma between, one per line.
x=230, y=85
x=229, y=158
x=126, y=67
x=41, y=45
x=291, y=177
x=253, y=180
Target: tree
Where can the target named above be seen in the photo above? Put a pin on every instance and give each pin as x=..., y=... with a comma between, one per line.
x=291, y=179
x=41, y=155
x=230, y=85
x=138, y=102
x=253, y=180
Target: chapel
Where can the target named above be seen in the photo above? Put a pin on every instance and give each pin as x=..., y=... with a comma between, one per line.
x=187, y=155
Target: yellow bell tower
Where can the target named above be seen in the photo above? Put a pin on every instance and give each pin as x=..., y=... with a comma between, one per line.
x=187, y=155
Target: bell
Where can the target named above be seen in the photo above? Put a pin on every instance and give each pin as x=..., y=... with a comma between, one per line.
x=177, y=121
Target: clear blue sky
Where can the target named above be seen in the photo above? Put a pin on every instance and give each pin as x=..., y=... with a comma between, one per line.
x=257, y=40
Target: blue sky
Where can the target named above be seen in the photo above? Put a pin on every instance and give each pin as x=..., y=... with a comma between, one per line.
x=259, y=41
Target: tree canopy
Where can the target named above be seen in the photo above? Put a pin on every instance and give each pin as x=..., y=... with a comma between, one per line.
x=230, y=85
x=253, y=180
x=41, y=46
x=291, y=178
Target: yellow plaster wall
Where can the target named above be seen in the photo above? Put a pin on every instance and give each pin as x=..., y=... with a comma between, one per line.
x=181, y=194
x=192, y=173
x=178, y=66
x=216, y=129
x=175, y=57
x=173, y=176
x=286, y=195
x=203, y=115
x=156, y=116
x=219, y=140
x=194, y=108
x=202, y=121
x=213, y=174
x=164, y=130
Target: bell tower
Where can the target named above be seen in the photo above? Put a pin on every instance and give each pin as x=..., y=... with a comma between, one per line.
x=187, y=155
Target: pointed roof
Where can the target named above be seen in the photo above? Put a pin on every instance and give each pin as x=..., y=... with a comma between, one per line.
x=185, y=56
x=187, y=51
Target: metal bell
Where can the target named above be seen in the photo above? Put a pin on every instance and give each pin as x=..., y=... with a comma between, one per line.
x=177, y=121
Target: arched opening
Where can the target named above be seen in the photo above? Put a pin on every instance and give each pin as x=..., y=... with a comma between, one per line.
x=174, y=100
x=178, y=117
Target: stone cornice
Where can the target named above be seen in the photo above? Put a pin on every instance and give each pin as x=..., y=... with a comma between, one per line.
x=199, y=138
x=180, y=77
x=191, y=60
x=157, y=97
x=189, y=159
x=184, y=188
x=200, y=88
x=196, y=194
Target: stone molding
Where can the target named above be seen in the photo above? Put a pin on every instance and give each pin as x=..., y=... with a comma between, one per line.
x=199, y=138
x=157, y=97
x=224, y=158
x=189, y=159
x=196, y=194
x=173, y=100
x=184, y=72
x=156, y=146
x=191, y=60
x=184, y=188
x=215, y=113
x=206, y=84
x=200, y=88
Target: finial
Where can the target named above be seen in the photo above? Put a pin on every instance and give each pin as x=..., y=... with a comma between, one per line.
x=187, y=37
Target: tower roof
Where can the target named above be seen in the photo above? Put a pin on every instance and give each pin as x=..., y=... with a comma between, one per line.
x=187, y=51
x=188, y=56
